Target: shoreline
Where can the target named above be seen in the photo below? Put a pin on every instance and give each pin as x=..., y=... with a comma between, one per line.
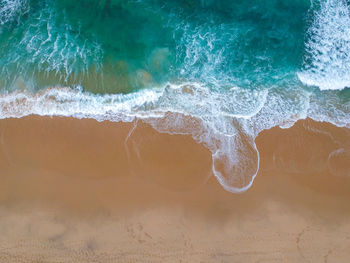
x=74, y=194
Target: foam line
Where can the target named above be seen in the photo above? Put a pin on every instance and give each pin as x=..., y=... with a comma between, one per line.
x=226, y=123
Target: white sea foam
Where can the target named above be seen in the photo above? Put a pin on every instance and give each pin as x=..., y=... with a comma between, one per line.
x=50, y=46
x=327, y=60
x=12, y=9
x=227, y=123
x=69, y=102
x=203, y=51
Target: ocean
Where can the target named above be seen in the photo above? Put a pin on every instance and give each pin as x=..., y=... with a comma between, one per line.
x=221, y=71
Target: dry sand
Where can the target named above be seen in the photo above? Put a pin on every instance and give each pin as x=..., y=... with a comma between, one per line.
x=78, y=191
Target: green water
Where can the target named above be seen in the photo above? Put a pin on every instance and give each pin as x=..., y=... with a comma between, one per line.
x=122, y=46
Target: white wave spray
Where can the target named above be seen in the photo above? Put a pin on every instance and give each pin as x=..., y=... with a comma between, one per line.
x=327, y=60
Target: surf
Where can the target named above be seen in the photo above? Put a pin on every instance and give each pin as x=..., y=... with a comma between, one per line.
x=222, y=80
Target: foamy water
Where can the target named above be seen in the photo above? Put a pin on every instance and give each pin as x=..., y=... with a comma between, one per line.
x=227, y=125
x=327, y=60
x=222, y=82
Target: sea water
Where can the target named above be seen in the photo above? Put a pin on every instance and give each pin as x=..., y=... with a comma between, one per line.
x=221, y=71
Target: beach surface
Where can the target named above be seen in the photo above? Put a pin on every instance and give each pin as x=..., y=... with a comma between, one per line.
x=86, y=191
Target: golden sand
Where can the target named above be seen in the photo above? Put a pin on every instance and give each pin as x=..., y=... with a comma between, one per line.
x=80, y=191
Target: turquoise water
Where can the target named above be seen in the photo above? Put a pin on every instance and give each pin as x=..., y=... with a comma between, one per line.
x=123, y=46
x=221, y=70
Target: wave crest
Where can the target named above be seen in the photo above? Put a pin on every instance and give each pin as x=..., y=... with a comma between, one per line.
x=327, y=60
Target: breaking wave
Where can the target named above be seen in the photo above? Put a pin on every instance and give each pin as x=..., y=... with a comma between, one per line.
x=327, y=59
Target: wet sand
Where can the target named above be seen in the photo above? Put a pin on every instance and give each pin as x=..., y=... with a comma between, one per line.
x=83, y=191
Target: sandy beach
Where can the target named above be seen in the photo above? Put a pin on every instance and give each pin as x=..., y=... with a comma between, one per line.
x=164, y=131
x=77, y=191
